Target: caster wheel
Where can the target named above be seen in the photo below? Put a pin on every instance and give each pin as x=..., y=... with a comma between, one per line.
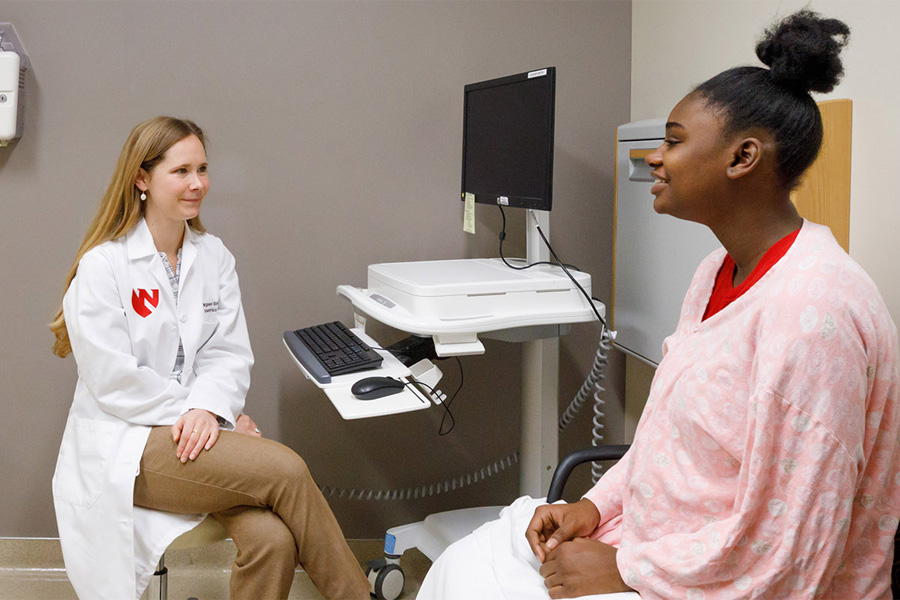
x=387, y=581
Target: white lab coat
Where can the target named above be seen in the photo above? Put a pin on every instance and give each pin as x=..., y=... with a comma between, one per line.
x=124, y=387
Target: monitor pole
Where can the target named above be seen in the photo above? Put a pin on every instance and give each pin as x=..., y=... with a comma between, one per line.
x=540, y=382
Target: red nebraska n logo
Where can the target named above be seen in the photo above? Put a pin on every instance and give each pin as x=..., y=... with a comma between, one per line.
x=140, y=299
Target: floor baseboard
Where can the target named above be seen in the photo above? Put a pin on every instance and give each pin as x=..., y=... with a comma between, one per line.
x=33, y=569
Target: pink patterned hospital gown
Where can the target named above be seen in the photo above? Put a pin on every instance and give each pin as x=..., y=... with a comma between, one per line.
x=766, y=463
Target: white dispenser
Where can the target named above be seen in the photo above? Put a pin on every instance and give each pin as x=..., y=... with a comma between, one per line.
x=13, y=64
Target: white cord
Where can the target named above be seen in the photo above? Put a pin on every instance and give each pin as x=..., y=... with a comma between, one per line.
x=593, y=385
x=425, y=490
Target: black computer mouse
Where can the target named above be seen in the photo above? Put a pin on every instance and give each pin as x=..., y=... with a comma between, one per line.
x=371, y=388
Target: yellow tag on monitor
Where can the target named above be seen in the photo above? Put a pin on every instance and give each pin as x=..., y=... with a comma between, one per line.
x=469, y=215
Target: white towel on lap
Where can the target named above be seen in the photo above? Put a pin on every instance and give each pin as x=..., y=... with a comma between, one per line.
x=495, y=562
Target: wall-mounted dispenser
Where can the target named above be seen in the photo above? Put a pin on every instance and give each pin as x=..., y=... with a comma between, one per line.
x=13, y=64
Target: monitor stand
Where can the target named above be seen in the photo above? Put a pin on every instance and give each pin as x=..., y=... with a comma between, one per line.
x=539, y=447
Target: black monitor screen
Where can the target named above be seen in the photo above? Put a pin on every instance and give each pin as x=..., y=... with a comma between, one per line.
x=508, y=140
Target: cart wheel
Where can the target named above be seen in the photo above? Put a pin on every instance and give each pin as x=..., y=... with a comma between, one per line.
x=387, y=581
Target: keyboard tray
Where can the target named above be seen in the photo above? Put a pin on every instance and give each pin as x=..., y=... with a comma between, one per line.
x=350, y=407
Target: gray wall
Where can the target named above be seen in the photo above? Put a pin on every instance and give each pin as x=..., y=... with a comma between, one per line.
x=335, y=142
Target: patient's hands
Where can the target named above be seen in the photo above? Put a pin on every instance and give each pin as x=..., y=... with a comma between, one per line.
x=246, y=425
x=554, y=524
x=581, y=567
x=573, y=565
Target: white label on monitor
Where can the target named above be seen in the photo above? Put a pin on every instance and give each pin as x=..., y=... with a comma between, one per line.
x=503, y=200
x=540, y=73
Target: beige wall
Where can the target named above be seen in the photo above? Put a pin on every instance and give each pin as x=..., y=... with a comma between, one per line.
x=335, y=142
x=677, y=44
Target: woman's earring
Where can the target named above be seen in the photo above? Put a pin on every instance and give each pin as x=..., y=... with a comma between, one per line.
x=143, y=196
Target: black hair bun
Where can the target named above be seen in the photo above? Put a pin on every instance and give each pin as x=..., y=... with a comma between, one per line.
x=803, y=51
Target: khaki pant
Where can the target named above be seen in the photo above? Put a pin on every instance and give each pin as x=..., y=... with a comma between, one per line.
x=264, y=496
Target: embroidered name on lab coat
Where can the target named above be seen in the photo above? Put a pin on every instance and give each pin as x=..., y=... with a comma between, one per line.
x=144, y=302
x=211, y=307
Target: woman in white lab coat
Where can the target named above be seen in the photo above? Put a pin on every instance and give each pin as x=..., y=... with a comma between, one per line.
x=156, y=437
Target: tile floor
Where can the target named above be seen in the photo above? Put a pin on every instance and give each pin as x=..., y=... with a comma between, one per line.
x=32, y=569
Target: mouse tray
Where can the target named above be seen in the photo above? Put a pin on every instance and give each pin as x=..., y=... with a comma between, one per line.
x=351, y=407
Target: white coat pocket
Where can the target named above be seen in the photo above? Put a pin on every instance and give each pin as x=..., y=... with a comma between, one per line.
x=81, y=465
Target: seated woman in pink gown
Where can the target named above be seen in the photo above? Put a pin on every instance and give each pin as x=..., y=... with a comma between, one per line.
x=766, y=462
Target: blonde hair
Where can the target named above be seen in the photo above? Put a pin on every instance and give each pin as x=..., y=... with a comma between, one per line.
x=121, y=208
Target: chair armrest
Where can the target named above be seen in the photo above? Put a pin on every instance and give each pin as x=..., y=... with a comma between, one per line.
x=564, y=469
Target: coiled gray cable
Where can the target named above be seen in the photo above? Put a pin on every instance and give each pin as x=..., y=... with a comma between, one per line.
x=593, y=386
x=425, y=490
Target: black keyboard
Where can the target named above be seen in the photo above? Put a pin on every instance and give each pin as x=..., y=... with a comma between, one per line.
x=330, y=349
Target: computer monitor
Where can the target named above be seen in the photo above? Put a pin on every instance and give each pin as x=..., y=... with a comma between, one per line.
x=508, y=140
